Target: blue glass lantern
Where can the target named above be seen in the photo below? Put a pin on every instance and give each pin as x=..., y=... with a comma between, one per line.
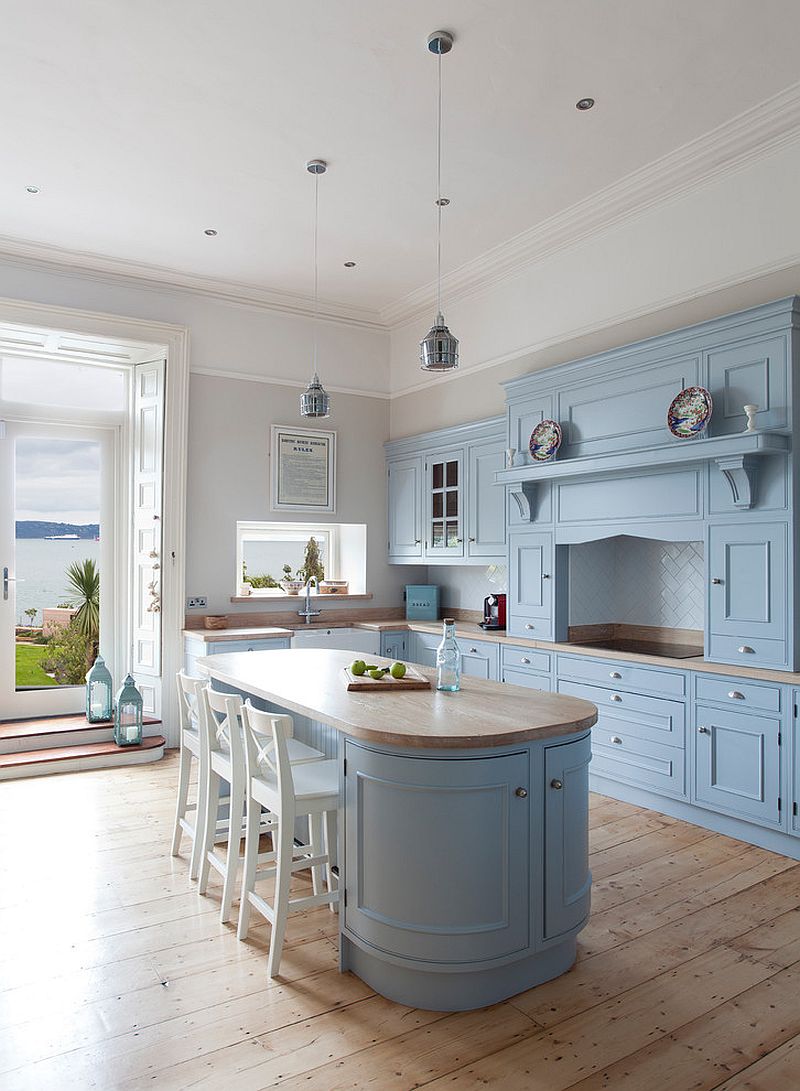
x=99, y=693
x=129, y=714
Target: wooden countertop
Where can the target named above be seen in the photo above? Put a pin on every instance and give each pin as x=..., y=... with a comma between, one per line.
x=214, y=635
x=482, y=714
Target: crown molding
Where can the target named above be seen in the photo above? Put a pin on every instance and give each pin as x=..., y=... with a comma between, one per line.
x=271, y=380
x=55, y=259
x=730, y=147
x=618, y=319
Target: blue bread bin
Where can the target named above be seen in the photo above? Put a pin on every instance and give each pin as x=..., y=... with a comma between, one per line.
x=422, y=602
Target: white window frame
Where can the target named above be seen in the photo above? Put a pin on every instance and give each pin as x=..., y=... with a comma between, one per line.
x=294, y=532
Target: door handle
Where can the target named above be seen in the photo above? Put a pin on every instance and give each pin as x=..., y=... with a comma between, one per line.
x=6, y=581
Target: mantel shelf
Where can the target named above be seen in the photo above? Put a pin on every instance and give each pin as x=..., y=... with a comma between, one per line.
x=734, y=456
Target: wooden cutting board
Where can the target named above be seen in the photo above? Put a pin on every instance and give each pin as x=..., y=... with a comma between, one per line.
x=412, y=679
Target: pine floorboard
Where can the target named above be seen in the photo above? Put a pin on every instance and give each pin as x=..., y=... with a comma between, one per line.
x=114, y=973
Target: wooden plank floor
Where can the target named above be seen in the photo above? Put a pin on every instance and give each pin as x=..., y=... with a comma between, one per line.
x=114, y=973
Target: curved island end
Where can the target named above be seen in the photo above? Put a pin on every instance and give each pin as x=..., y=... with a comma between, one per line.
x=463, y=845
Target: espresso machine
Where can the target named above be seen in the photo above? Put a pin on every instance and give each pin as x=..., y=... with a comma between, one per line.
x=494, y=612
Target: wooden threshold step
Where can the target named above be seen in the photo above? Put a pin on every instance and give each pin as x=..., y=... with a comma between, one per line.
x=57, y=725
x=62, y=759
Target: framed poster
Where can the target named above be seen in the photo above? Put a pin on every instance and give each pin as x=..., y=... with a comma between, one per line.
x=303, y=469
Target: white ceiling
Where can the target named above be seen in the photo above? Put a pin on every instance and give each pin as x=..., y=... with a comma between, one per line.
x=145, y=123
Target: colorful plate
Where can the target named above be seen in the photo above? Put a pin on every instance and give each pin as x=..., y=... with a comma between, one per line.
x=690, y=412
x=545, y=440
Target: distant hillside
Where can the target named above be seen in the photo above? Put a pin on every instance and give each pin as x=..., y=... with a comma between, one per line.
x=32, y=528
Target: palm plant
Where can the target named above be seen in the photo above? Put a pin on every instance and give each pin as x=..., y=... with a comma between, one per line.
x=83, y=579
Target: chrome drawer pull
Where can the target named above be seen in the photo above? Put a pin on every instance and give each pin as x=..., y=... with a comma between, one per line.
x=616, y=739
x=734, y=693
x=529, y=626
x=556, y=784
x=745, y=650
x=521, y=792
x=615, y=697
x=472, y=651
x=615, y=674
x=704, y=731
x=524, y=659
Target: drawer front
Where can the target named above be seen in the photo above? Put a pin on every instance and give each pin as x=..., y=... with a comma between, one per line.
x=639, y=762
x=738, y=694
x=527, y=679
x=746, y=652
x=622, y=717
x=220, y=647
x=525, y=658
x=622, y=676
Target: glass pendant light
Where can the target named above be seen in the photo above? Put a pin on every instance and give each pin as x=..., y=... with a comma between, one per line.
x=314, y=401
x=438, y=350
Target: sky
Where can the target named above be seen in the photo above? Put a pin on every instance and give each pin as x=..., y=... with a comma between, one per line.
x=57, y=480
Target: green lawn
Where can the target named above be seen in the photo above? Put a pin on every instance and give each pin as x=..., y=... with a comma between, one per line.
x=29, y=673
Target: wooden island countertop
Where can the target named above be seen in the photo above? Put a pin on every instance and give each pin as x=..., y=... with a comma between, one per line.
x=482, y=714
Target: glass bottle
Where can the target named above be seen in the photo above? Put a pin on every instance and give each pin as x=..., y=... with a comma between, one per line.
x=448, y=659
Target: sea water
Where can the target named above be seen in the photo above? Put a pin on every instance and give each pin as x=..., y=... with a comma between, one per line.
x=41, y=570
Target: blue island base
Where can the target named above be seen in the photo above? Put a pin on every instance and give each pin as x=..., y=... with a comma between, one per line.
x=459, y=989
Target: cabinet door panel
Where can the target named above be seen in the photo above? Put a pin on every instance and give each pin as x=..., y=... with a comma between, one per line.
x=748, y=583
x=405, y=508
x=737, y=764
x=394, y=645
x=462, y=892
x=444, y=504
x=480, y=659
x=530, y=585
x=750, y=373
x=487, y=522
x=568, y=880
x=794, y=824
x=527, y=679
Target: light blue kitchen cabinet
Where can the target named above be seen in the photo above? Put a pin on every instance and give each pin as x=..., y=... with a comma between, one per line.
x=567, y=878
x=195, y=647
x=444, y=505
x=466, y=877
x=737, y=767
x=748, y=594
x=394, y=645
x=405, y=490
x=486, y=524
x=479, y=658
x=794, y=779
x=527, y=679
x=753, y=371
x=523, y=416
x=537, y=574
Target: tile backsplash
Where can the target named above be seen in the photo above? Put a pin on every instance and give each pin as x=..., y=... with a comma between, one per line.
x=464, y=587
x=638, y=581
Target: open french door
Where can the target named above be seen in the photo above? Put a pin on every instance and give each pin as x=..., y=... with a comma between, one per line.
x=57, y=515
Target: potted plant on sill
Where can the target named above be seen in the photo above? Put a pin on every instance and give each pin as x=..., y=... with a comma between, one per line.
x=292, y=585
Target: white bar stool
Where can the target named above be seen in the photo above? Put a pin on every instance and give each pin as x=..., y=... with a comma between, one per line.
x=223, y=747
x=288, y=791
x=190, y=747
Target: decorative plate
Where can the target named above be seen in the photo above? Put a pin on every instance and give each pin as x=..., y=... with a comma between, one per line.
x=689, y=412
x=545, y=440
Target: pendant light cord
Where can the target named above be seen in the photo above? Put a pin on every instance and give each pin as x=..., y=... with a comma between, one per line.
x=439, y=194
x=316, y=268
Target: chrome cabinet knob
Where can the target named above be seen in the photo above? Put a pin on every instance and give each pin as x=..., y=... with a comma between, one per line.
x=545, y=575
x=736, y=695
x=473, y=650
x=616, y=739
x=615, y=697
x=472, y=539
x=521, y=792
x=716, y=579
x=704, y=730
x=615, y=674
x=556, y=784
x=417, y=541
x=745, y=650
x=524, y=659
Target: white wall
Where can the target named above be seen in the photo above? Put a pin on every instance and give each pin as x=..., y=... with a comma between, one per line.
x=728, y=244
x=229, y=437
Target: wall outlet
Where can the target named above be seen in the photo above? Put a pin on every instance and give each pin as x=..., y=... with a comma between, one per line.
x=196, y=601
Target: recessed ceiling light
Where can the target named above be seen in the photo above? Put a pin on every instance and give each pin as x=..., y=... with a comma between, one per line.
x=349, y=265
x=584, y=104
x=210, y=231
x=31, y=189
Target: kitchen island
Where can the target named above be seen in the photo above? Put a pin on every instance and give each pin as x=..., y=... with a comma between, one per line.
x=463, y=825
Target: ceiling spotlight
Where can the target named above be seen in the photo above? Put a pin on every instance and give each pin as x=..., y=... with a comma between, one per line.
x=210, y=232
x=584, y=104
x=349, y=265
x=31, y=189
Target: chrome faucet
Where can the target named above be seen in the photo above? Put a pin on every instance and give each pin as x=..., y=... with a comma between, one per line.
x=308, y=613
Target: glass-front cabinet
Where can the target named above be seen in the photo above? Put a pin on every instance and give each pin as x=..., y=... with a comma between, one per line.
x=444, y=530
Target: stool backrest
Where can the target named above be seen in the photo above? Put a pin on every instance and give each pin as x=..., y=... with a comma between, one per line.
x=265, y=747
x=224, y=723
x=188, y=689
